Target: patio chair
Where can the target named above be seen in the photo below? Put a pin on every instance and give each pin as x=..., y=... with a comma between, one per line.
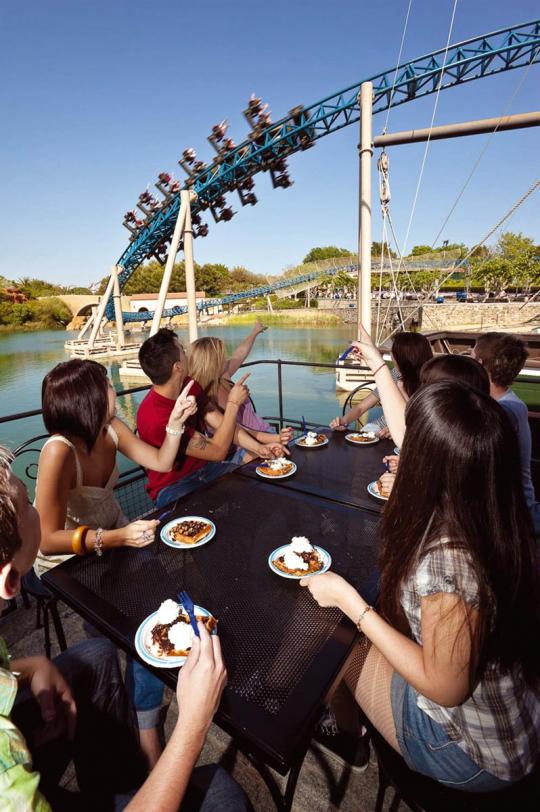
x=422, y=794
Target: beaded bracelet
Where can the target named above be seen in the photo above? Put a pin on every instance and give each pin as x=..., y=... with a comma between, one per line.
x=362, y=616
x=78, y=540
x=175, y=432
x=98, y=543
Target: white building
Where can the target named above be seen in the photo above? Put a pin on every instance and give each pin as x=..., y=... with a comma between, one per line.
x=139, y=302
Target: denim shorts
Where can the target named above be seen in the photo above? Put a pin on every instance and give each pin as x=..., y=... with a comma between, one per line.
x=427, y=749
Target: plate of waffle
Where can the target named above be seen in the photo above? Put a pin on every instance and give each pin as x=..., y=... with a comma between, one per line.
x=376, y=489
x=280, y=468
x=165, y=638
x=362, y=437
x=299, y=559
x=188, y=532
x=312, y=439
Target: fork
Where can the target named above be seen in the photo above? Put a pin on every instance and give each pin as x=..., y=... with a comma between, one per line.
x=187, y=603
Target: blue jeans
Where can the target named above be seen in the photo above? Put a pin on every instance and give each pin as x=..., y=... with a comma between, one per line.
x=428, y=750
x=209, y=472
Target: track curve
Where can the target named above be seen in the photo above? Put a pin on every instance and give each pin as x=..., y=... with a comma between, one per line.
x=466, y=61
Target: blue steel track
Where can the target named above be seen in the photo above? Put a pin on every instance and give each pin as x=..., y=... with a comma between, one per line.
x=487, y=55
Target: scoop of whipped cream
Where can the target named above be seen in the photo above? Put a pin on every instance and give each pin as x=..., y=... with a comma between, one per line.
x=311, y=438
x=279, y=462
x=168, y=612
x=301, y=544
x=293, y=561
x=181, y=636
x=369, y=434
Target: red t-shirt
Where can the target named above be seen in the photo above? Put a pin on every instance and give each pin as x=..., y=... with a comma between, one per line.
x=152, y=417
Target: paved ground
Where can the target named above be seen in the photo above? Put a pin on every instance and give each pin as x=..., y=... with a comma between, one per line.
x=322, y=787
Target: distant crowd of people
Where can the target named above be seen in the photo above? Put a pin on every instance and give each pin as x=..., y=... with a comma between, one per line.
x=447, y=666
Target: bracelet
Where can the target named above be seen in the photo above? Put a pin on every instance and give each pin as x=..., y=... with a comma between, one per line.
x=98, y=544
x=379, y=368
x=78, y=543
x=175, y=432
x=362, y=616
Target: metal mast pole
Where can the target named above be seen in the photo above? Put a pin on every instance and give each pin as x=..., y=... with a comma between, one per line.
x=363, y=299
x=189, y=268
x=120, y=339
x=169, y=265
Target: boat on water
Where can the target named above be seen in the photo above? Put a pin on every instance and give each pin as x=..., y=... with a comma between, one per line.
x=350, y=374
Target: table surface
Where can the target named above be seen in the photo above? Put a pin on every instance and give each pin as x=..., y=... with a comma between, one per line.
x=281, y=649
x=338, y=471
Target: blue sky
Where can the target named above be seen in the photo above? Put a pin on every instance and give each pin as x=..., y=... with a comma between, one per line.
x=98, y=97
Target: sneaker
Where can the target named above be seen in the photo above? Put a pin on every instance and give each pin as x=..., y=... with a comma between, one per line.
x=345, y=748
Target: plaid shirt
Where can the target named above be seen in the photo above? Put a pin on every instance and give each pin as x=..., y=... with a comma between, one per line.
x=498, y=726
x=18, y=784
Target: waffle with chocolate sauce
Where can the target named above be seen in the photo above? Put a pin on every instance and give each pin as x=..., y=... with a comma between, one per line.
x=312, y=559
x=319, y=439
x=160, y=634
x=189, y=531
x=360, y=438
x=384, y=492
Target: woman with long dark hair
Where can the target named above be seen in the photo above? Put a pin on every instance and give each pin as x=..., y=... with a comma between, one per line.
x=449, y=668
x=409, y=352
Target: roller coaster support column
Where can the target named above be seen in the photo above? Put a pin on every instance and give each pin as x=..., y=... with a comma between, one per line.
x=100, y=313
x=363, y=308
x=169, y=265
x=120, y=340
x=190, y=271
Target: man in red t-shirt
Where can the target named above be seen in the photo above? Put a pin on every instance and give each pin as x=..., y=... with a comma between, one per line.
x=200, y=459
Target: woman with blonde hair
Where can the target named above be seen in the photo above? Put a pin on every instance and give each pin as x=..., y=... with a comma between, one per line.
x=210, y=367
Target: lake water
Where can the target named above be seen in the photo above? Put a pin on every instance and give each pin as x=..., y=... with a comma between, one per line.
x=25, y=358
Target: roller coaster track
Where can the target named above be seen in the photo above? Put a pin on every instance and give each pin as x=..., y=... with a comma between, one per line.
x=466, y=61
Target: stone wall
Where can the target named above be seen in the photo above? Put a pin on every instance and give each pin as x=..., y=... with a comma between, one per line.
x=450, y=315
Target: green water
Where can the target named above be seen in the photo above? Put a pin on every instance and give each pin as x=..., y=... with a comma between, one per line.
x=26, y=357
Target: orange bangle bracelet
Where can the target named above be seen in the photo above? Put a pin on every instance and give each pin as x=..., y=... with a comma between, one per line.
x=78, y=540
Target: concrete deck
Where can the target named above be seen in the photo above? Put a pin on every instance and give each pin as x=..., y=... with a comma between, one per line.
x=323, y=786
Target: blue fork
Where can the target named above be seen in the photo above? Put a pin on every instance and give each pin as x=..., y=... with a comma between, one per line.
x=304, y=427
x=187, y=603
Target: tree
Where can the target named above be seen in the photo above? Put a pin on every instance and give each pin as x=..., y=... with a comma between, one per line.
x=418, y=250
x=377, y=250
x=326, y=252
x=494, y=275
x=242, y=279
x=212, y=278
x=520, y=252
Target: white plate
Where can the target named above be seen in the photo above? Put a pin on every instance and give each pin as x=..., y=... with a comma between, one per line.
x=354, y=442
x=373, y=490
x=142, y=635
x=280, y=476
x=166, y=538
x=317, y=445
x=326, y=559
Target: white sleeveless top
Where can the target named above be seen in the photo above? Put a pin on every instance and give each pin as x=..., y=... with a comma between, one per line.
x=87, y=504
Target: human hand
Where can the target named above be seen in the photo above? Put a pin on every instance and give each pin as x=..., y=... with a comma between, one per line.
x=328, y=589
x=200, y=684
x=285, y=435
x=239, y=393
x=273, y=450
x=386, y=484
x=259, y=328
x=384, y=433
x=337, y=425
x=392, y=460
x=140, y=533
x=185, y=406
x=366, y=349
x=53, y=694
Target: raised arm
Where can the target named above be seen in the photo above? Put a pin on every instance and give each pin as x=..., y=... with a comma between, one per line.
x=392, y=400
x=200, y=685
x=216, y=447
x=158, y=459
x=243, y=350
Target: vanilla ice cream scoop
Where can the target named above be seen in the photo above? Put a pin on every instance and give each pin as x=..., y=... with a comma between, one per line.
x=293, y=561
x=181, y=636
x=168, y=612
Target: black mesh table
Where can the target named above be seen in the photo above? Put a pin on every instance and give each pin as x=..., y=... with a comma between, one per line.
x=338, y=471
x=282, y=650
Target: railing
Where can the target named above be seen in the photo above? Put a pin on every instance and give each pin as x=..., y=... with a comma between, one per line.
x=130, y=487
